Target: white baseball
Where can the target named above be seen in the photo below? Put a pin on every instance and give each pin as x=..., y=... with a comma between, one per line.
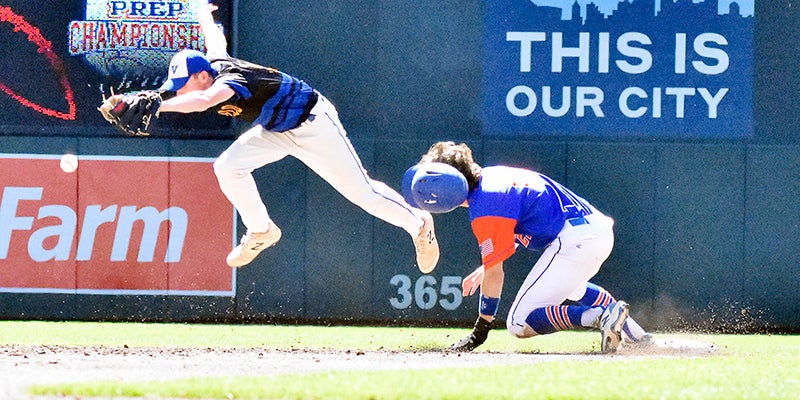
x=69, y=163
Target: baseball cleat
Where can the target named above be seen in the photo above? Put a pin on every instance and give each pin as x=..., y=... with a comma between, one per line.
x=251, y=245
x=643, y=342
x=426, y=245
x=611, y=323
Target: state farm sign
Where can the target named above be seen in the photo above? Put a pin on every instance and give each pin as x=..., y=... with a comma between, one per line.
x=118, y=225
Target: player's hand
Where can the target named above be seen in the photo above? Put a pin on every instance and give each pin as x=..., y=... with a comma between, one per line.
x=215, y=40
x=204, y=13
x=472, y=282
x=476, y=338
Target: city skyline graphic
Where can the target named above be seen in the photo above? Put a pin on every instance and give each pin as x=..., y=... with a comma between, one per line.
x=743, y=8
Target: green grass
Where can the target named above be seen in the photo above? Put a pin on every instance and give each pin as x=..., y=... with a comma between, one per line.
x=745, y=367
x=605, y=379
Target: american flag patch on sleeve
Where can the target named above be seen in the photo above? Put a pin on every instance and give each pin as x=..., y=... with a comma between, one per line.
x=486, y=247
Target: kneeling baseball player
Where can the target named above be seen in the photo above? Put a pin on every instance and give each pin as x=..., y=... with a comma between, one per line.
x=511, y=207
x=289, y=118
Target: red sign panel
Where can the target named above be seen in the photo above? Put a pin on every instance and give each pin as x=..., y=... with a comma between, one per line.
x=117, y=225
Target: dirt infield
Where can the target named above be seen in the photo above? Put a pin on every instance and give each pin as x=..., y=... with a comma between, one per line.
x=23, y=366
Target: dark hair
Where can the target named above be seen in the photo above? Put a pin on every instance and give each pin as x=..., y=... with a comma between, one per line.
x=457, y=155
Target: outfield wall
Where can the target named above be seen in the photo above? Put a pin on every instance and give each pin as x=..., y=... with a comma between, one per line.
x=705, y=225
x=677, y=257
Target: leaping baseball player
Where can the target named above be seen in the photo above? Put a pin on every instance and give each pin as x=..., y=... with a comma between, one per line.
x=511, y=207
x=289, y=118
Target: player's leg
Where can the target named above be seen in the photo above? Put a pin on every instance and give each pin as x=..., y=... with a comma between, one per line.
x=563, y=269
x=538, y=309
x=324, y=147
x=596, y=296
x=234, y=168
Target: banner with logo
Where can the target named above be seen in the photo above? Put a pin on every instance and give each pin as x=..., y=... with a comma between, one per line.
x=608, y=68
x=117, y=225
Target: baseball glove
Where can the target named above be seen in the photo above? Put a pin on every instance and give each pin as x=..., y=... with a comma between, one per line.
x=133, y=114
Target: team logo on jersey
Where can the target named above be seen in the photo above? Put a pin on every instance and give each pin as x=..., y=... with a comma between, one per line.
x=229, y=110
x=524, y=240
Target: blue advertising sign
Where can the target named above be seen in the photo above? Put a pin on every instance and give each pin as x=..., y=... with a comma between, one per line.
x=609, y=68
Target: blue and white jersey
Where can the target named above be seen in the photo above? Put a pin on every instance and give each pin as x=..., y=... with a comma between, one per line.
x=264, y=96
x=513, y=205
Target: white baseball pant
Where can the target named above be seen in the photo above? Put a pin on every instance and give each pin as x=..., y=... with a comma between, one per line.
x=563, y=269
x=321, y=143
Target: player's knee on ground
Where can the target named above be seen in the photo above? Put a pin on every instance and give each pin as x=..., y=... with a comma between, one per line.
x=520, y=331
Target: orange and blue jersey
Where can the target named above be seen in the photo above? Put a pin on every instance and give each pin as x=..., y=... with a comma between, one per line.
x=518, y=206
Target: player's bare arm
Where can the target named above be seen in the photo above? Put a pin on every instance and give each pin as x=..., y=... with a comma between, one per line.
x=198, y=100
x=213, y=35
x=492, y=284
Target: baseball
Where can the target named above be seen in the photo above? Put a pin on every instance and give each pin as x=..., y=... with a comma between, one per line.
x=69, y=163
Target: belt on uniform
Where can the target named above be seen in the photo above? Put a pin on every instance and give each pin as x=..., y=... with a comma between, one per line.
x=578, y=221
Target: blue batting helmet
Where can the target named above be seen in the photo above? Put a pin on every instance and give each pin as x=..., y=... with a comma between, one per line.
x=434, y=187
